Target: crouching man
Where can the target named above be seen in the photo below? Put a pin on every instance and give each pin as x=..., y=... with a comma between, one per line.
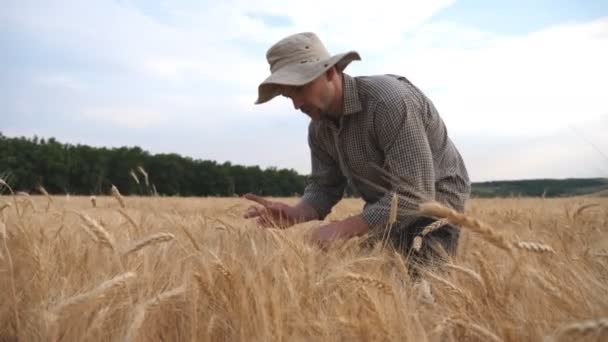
x=380, y=134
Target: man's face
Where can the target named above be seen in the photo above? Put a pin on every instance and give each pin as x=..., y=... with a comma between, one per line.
x=313, y=99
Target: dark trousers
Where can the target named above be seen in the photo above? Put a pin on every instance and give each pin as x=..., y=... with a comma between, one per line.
x=436, y=247
x=439, y=243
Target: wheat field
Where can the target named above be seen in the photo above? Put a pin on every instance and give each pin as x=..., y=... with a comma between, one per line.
x=192, y=269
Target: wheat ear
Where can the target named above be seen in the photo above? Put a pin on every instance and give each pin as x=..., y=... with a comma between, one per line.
x=583, y=328
x=488, y=233
x=134, y=176
x=102, y=236
x=144, y=173
x=116, y=194
x=97, y=292
x=140, y=312
x=534, y=247
x=150, y=240
x=367, y=281
x=46, y=194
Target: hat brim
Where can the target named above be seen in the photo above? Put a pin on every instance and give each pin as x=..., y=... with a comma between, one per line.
x=301, y=74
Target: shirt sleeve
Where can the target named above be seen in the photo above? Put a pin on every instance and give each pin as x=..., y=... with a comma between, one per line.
x=326, y=183
x=402, y=137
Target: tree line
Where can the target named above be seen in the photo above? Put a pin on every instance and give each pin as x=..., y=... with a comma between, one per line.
x=541, y=187
x=27, y=163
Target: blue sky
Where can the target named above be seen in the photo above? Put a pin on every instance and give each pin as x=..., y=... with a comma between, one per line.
x=520, y=85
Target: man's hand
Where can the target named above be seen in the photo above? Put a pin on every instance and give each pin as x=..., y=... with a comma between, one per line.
x=272, y=214
x=344, y=229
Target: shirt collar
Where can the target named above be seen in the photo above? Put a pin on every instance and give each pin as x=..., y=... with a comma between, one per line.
x=351, y=104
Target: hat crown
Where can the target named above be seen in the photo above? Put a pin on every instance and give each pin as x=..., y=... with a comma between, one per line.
x=300, y=48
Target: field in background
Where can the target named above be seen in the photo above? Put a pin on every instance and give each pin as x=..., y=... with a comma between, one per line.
x=72, y=272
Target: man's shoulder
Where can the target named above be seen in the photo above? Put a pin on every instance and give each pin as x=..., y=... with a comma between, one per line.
x=314, y=127
x=385, y=88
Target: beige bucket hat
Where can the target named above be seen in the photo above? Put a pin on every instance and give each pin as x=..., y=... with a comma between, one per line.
x=296, y=60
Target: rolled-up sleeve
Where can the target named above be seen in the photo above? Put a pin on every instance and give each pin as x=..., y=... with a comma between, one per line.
x=408, y=160
x=326, y=182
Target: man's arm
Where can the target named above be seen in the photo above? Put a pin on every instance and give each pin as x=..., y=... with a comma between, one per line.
x=325, y=188
x=326, y=183
x=305, y=212
x=401, y=135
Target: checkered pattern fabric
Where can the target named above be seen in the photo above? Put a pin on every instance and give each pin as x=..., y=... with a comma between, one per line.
x=389, y=139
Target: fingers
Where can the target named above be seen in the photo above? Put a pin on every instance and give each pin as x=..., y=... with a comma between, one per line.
x=263, y=218
x=271, y=215
x=264, y=222
x=257, y=199
x=253, y=212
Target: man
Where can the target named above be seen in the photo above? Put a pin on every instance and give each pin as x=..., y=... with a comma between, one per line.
x=380, y=134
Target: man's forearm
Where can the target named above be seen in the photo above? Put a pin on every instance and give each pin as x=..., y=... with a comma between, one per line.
x=305, y=212
x=355, y=226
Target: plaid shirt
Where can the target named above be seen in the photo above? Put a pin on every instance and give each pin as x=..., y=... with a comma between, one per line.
x=390, y=138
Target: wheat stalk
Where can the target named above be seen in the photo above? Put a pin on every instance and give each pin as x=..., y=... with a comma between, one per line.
x=223, y=270
x=392, y=215
x=126, y=215
x=466, y=271
x=144, y=173
x=488, y=233
x=582, y=208
x=433, y=226
x=599, y=326
x=46, y=194
x=11, y=270
x=141, y=310
x=367, y=281
x=116, y=194
x=417, y=244
x=134, y=176
x=150, y=240
x=101, y=235
x=534, y=247
x=4, y=206
x=98, y=292
x=484, y=333
x=423, y=291
x=190, y=237
x=418, y=240
x=445, y=282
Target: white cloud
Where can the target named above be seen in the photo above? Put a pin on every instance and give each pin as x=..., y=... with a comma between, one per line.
x=513, y=86
x=577, y=151
x=59, y=80
x=204, y=62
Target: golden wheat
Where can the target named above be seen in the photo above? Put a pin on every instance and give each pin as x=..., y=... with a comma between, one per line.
x=488, y=233
x=358, y=279
x=134, y=176
x=256, y=284
x=151, y=304
x=150, y=240
x=143, y=173
x=116, y=194
x=97, y=293
x=534, y=247
x=597, y=327
x=100, y=234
